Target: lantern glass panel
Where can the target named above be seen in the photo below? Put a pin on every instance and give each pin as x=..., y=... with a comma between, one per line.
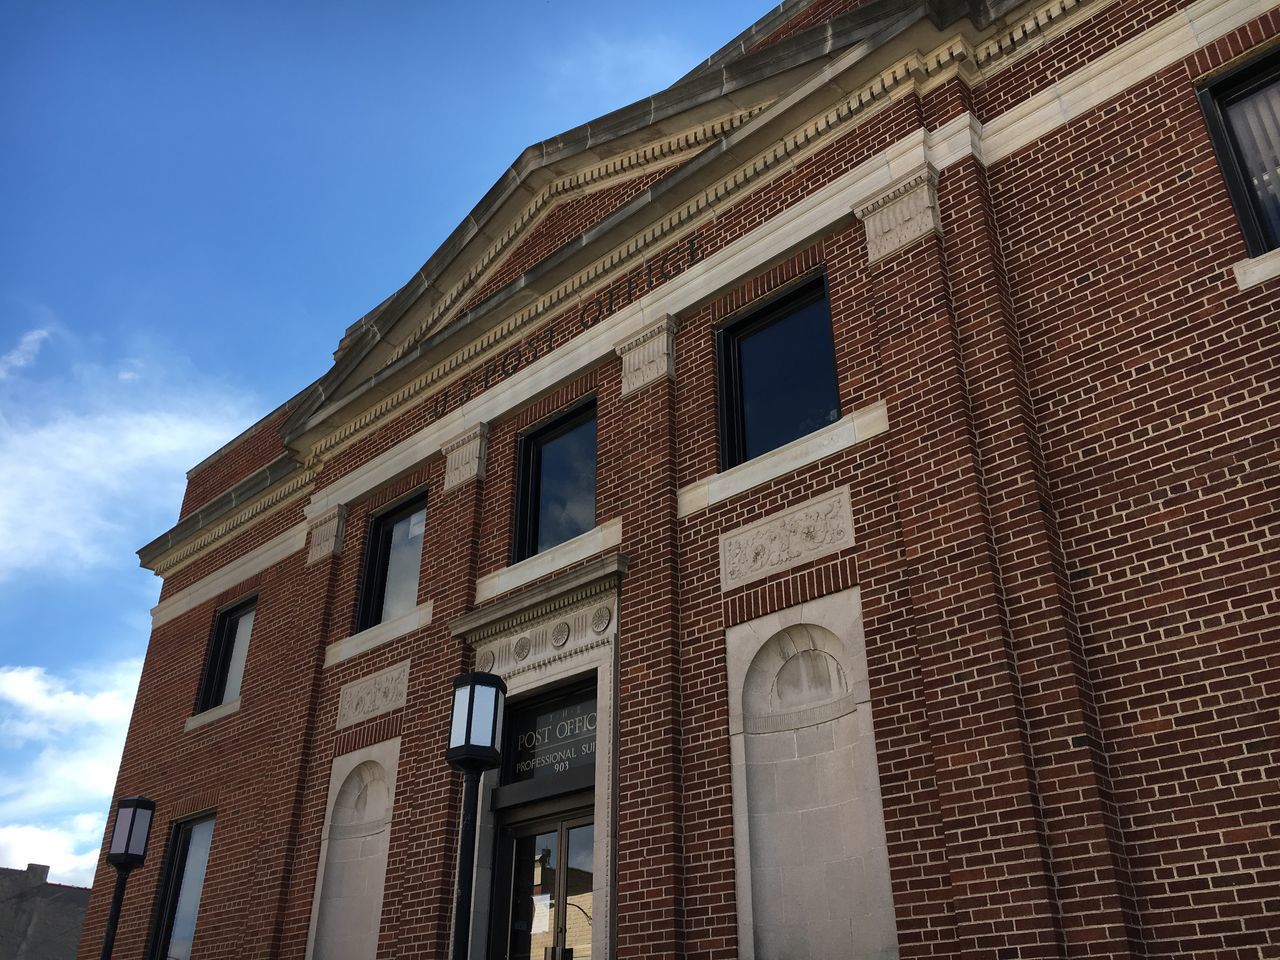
x=120, y=835
x=500, y=708
x=458, y=731
x=482, y=716
x=141, y=829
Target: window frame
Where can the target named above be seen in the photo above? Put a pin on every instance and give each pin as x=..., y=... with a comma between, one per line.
x=170, y=887
x=377, y=557
x=222, y=638
x=729, y=401
x=1240, y=81
x=524, y=539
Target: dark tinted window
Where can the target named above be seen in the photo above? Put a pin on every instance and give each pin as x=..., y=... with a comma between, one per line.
x=557, y=497
x=227, y=652
x=183, y=885
x=778, y=379
x=393, y=566
x=1243, y=111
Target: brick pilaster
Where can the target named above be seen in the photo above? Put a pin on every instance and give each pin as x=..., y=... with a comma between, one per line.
x=638, y=452
x=1001, y=887
x=1062, y=731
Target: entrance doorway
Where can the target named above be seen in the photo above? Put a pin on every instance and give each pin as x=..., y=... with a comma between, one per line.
x=546, y=871
x=543, y=905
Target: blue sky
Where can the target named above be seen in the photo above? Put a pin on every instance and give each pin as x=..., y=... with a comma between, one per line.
x=195, y=201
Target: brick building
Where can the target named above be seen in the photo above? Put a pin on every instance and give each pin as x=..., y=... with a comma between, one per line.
x=859, y=459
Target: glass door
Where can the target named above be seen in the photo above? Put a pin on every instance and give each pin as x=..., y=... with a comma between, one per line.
x=546, y=869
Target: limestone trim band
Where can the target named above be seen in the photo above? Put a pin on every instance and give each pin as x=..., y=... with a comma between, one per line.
x=1176, y=37
x=598, y=539
x=853, y=428
x=236, y=571
x=1250, y=273
x=213, y=713
x=377, y=635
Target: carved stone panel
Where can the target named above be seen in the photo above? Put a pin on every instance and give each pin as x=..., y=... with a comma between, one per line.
x=326, y=534
x=902, y=216
x=465, y=457
x=813, y=529
x=649, y=356
x=375, y=694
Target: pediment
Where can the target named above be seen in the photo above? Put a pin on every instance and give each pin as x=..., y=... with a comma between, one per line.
x=581, y=196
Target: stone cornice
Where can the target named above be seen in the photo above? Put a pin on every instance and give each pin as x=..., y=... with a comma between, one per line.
x=166, y=563
x=913, y=73
x=558, y=592
x=972, y=61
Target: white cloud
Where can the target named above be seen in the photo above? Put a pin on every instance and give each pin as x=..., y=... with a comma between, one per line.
x=54, y=797
x=69, y=848
x=81, y=487
x=24, y=354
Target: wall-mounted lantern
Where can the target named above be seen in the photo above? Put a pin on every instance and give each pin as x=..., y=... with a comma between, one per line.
x=475, y=746
x=128, y=849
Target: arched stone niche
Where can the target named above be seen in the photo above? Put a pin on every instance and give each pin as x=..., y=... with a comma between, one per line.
x=346, y=913
x=812, y=861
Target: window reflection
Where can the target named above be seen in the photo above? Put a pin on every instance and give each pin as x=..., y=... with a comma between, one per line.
x=533, y=906
x=579, y=881
x=787, y=372
x=567, y=485
x=404, y=565
x=191, y=857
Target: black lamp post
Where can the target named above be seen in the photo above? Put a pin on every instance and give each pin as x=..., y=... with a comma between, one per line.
x=128, y=849
x=474, y=747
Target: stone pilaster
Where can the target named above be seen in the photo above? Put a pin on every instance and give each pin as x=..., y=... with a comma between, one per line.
x=465, y=457
x=992, y=829
x=902, y=215
x=650, y=356
x=325, y=534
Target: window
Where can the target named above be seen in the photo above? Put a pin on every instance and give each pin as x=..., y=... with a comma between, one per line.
x=393, y=564
x=1243, y=112
x=227, y=650
x=556, y=497
x=180, y=890
x=777, y=375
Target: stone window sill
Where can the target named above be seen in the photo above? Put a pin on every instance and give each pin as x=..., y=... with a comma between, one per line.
x=596, y=540
x=851, y=429
x=377, y=635
x=1250, y=273
x=213, y=713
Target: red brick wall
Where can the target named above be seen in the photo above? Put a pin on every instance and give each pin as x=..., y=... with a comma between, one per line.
x=1065, y=546
x=249, y=453
x=565, y=221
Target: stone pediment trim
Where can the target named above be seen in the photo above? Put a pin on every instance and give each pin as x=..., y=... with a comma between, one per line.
x=166, y=563
x=599, y=578
x=914, y=73
x=651, y=157
x=377, y=324
x=1026, y=34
